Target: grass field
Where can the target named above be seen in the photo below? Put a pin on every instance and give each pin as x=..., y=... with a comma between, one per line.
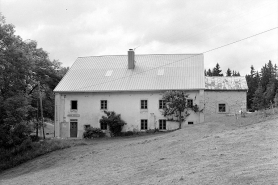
x=226, y=151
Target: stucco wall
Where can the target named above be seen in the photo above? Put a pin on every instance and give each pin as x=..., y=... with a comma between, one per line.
x=125, y=103
x=234, y=101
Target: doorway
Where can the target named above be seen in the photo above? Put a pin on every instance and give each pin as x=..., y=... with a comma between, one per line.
x=73, y=128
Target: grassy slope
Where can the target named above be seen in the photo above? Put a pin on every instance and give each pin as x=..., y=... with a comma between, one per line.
x=228, y=151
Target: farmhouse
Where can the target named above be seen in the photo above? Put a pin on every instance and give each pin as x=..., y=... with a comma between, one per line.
x=133, y=86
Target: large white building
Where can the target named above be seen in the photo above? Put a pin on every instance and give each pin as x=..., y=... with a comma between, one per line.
x=133, y=85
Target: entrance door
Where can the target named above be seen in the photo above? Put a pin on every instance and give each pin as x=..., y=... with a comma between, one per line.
x=73, y=129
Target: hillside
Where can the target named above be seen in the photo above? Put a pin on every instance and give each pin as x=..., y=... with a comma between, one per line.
x=222, y=152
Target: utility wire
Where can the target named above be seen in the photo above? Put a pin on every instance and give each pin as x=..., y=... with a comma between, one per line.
x=180, y=59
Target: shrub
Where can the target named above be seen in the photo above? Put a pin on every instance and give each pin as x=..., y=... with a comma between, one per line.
x=128, y=133
x=152, y=130
x=91, y=132
x=28, y=150
x=114, y=122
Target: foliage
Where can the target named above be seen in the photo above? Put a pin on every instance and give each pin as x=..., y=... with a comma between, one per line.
x=276, y=99
x=176, y=106
x=152, y=130
x=229, y=72
x=28, y=150
x=114, y=122
x=22, y=66
x=128, y=133
x=258, y=100
x=216, y=71
x=252, y=82
x=91, y=132
x=262, y=87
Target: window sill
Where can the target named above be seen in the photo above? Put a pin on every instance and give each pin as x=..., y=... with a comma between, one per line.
x=73, y=110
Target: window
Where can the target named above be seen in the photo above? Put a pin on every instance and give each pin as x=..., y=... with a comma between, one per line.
x=162, y=104
x=189, y=103
x=144, y=104
x=162, y=124
x=103, y=104
x=74, y=105
x=87, y=126
x=221, y=107
x=103, y=126
x=144, y=124
x=190, y=122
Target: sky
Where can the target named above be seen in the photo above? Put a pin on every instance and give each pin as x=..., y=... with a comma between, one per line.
x=68, y=29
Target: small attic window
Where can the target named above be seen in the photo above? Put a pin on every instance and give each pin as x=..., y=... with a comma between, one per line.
x=160, y=72
x=109, y=73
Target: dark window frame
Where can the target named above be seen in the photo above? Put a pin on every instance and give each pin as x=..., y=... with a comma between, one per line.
x=162, y=124
x=103, y=126
x=222, y=107
x=87, y=126
x=71, y=105
x=144, y=104
x=103, y=104
x=144, y=124
x=190, y=103
x=162, y=104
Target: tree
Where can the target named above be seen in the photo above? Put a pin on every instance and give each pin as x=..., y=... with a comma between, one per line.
x=177, y=105
x=216, y=71
x=209, y=73
x=259, y=100
x=22, y=66
x=114, y=122
x=235, y=73
x=252, y=81
x=276, y=99
x=229, y=72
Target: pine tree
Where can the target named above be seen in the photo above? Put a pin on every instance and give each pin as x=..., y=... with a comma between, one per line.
x=216, y=71
x=209, y=73
x=229, y=72
x=258, y=100
x=252, y=82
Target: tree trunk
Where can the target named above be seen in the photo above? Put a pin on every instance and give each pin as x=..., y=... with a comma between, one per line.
x=37, y=123
x=41, y=111
x=180, y=120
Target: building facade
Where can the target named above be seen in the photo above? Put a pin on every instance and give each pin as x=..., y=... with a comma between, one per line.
x=224, y=96
x=133, y=86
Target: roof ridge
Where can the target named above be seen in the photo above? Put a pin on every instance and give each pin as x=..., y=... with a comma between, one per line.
x=142, y=55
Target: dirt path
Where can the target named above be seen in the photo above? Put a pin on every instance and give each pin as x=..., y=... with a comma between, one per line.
x=210, y=153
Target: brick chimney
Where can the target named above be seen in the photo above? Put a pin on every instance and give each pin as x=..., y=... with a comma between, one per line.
x=131, y=61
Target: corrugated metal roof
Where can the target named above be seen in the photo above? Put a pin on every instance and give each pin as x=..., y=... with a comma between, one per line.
x=226, y=83
x=88, y=74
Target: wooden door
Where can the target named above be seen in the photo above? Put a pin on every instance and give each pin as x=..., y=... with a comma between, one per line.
x=73, y=129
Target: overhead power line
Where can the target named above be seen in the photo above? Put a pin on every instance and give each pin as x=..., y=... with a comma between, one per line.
x=180, y=59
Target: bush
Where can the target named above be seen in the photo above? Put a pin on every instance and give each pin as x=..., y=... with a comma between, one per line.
x=28, y=150
x=114, y=122
x=128, y=133
x=152, y=130
x=91, y=132
x=34, y=138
